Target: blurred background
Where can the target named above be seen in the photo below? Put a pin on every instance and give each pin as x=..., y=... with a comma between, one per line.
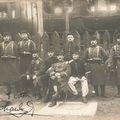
x=49, y=21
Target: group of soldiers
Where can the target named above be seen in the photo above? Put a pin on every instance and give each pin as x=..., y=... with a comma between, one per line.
x=57, y=76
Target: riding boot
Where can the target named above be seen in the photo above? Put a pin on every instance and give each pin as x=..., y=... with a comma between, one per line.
x=102, y=90
x=54, y=100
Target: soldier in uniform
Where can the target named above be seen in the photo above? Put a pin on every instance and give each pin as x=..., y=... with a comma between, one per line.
x=44, y=78
x=8, y=58
x=78, y=74
x=1, y=38
x=70, y=47
x=95, y=56
x=59, y=75
x=37, y=67
x=26, y=48
x=50, y=60
x=114, y=64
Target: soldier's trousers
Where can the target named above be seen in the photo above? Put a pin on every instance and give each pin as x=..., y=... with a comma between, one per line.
x=84, y=84
x=102, y=87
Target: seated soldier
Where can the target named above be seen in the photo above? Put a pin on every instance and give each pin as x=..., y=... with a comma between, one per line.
x=59, y=74
x=43, y=77
x=78, y=74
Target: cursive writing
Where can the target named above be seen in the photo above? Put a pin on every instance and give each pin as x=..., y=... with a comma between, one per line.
x=22, y=109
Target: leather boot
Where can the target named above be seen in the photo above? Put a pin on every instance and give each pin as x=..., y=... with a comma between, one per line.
x=54, y=100
x=96, y=90
x=84, y=99
x=53, y=103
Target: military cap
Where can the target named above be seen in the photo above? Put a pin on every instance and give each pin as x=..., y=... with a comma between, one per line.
x=60, y=53
x=35, y=51
x=6, y=34
x=93, y=38
x=76, y=52
x=69, y=34
x=51, y=49
x=25, y=31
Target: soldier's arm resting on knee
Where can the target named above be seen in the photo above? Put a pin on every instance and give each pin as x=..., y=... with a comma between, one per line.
x=67, y=71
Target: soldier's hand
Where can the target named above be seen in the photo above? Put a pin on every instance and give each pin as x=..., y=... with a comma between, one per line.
x=57, y=74
x=34, y=77
x=109, y=66
x=63, y=74
x=52, y=77
x=28, y=77
x=52, y=73
x=58, y=77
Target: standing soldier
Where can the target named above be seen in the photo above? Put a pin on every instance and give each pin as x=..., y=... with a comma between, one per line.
x=1, y=38
x=70, y=46
x=114, y=64
x=95, y=56
x=26, y=48
x=8, y=68
x=37, y=67
x=59, y=76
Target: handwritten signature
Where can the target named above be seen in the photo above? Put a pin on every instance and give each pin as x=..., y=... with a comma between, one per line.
x=22, y=109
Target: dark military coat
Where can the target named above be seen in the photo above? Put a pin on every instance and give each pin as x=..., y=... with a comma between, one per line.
x=95, y=58
x=114, y=62
x=8, y=63
x=25, y=51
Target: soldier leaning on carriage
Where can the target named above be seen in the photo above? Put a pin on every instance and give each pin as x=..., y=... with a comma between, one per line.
x=55, y=75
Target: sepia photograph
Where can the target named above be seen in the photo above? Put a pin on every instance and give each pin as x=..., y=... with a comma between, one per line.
x=59, y=59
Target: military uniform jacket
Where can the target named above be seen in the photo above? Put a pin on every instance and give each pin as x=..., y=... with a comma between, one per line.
x=95, y=53
x=61, y=71
x=77, y=68
x=49, y=62
x=70, y=47
x=8, y=64
x=8, y=50
x=37, y=66
x=114, y=62
x=26, y=47
x=115, y=53
x=25, y=51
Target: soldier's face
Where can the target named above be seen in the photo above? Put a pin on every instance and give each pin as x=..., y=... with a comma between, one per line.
x=70, y=38
x=75, y=56
x=35, y=55
x=93, y=42
x=24, y=36
x=7, y=38
x=60, y=57
x=50, y=54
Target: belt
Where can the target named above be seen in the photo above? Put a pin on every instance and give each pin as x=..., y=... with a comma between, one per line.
x=93, y=61
x=8, y=57
x=25, y=53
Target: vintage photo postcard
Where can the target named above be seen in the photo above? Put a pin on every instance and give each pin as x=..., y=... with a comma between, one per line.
x=59, y=59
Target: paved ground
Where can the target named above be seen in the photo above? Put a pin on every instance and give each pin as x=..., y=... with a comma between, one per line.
x=96, y=109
